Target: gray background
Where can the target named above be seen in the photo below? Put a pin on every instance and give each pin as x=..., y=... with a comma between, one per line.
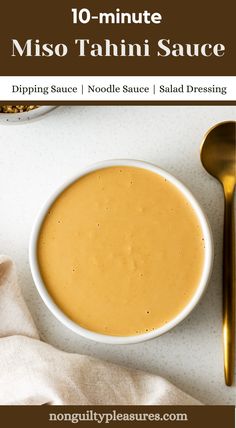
x=37, y=157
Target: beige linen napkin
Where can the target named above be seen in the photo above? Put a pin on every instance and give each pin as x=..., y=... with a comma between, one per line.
x=33, y=372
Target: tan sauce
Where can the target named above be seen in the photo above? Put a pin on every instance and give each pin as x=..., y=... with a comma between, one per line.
x=121, y=251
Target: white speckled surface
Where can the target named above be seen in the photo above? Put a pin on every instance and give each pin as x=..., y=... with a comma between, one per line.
x=37, y=157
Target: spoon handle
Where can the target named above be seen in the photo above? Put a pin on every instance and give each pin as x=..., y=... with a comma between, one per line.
x=229, y=285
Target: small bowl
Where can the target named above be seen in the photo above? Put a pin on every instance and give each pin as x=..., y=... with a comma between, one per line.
x=207, y=266
x=25, y=116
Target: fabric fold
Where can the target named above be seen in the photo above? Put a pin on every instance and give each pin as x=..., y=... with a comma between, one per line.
x=34, y=372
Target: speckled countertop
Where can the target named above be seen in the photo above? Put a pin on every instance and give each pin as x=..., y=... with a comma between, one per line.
x=37, y=157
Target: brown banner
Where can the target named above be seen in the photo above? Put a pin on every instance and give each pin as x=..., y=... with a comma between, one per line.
x=156, y=416
x=183, y=22
x=119, y=103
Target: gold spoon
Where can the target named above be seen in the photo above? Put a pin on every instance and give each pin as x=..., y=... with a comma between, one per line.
x=218, y=158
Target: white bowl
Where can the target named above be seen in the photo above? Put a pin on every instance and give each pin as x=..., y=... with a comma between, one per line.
x=207, y=266
x=25, y=116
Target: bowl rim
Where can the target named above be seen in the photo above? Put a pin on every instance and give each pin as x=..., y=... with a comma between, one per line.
x=19, y=118
x=108, y=339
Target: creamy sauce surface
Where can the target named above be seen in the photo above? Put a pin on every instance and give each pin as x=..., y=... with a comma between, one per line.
x=121, y=251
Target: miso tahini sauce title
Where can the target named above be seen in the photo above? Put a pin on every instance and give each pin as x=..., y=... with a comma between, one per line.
x=106, y=48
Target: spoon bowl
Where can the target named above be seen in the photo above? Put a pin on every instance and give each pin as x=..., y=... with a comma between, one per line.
x=218, y=151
